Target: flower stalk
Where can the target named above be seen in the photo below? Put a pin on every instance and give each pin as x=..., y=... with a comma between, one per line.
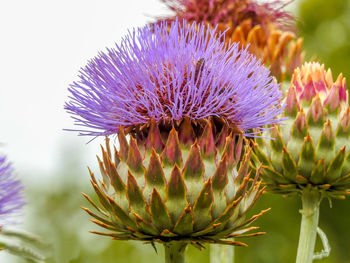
x=221, y=254
x=175, y=252
x=308, y=231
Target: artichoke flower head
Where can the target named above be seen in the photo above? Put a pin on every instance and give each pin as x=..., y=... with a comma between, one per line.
x=179, y=102
x=312, y=149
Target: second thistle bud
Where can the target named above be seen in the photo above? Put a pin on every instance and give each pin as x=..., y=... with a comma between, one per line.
x=315, y=142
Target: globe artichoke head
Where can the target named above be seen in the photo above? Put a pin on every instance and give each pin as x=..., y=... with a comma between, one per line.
x=312, y=149
x=180, y=102
x=168, y=184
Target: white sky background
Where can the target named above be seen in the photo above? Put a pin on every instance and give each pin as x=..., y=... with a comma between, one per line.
x=43, y=44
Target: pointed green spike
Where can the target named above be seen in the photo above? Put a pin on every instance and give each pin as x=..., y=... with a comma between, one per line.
x=193, y=173
x=229, y=151
x=207, y=143
x=318, y=174
x=290, y=170
x=244, y=165
x=103, y=172
x=136, y=200
x=326, y=144
x=274, y=175
x=123, y=144
x=159, y=212
x=154, y=176
x=229, y=211
x=145, y=227
x=154, y=139
x=194, y=167
x=117, y=158
x=107, y=162
x=315, y=118
x=343, y=181
x=119, y=187
x=277, y=146
x=307, y=157
x=220, y=180
x=239, y=224
x=221, y=140
x=346, y=166
x=123, y=215
x=87, y=210
x=106, y=155
x=316, y=113
x=238, y=148
x=109, y=226
x=134, y=160
x=184, y=225
x=176, y=194
x=292, y=103
x=172, y=153
x=186, y=133
x=262, y=157
x=210, y=229
x=94, y=204
x=343, y=131
x=298, y=132
x=167, y=233
x=335, y=166
x=101, y=196
x=202, y=207
x=116, y=181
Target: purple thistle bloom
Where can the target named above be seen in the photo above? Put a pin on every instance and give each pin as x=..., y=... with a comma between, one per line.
x=11, y=199
x=169, y=72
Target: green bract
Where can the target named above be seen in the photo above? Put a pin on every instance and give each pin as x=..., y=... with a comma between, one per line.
x=312, y=149
x=164, y=186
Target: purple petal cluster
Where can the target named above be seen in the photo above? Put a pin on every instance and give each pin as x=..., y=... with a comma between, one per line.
x=11, y=199
x=171, y=71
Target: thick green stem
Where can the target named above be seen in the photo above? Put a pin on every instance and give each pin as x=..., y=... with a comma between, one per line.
x=221, y=254
x=175, y=252
x=308, y=230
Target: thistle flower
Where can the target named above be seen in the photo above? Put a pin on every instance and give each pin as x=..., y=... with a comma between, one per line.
x=230, y=12
x=310, y=154
x=265, y=27
x=182, y=96
x=11, y=200
x=169, y=76
x=312, y=149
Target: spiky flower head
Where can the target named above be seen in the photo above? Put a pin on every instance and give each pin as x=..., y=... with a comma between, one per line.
x=166, y=76
x=231, y=12
x=265, y=27
x=11, y=199
x=313, y=148
x=181, y=95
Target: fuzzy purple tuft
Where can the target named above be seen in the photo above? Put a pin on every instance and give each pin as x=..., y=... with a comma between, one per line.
x=11, y=198
x=169, y=72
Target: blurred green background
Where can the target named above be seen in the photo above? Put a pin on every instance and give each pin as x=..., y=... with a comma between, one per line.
x=53, y=203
